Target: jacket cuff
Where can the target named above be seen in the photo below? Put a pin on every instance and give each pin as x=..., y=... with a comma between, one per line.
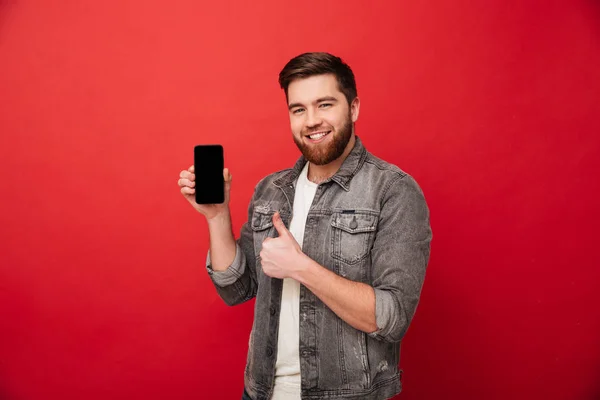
x=384, y=312
x=232, y=273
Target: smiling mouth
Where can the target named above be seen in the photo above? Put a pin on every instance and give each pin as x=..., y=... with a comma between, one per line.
x=318, y=135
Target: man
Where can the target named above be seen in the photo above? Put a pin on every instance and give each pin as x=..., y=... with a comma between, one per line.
x=334, y=250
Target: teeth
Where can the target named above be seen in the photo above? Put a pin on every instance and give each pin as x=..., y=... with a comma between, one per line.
x=317, y=136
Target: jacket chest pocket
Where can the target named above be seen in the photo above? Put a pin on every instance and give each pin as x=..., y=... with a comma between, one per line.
x=352, y=234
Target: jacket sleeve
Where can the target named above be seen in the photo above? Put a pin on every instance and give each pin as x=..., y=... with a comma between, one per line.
x=238, y=283
x=400, y=255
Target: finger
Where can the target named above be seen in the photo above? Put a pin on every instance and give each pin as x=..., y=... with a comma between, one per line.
x=227, y=178
x=261, y=256
x=187, y=175
x=187, y=190
x=227, y=175
x=278, y=224
x=191, y=169
x=186, y=182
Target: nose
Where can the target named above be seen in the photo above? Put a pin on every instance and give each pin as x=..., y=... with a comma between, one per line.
x=313, y=119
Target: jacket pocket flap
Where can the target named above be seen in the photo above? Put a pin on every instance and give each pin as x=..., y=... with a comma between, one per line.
x=355, y=222
x=261, y=220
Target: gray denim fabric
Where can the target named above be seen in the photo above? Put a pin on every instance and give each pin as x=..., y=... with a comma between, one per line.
x=368, y=223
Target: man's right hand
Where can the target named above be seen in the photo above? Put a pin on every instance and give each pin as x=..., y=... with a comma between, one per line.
x=187, y=185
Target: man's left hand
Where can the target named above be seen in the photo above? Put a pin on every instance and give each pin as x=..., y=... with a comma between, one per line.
x=281, y=257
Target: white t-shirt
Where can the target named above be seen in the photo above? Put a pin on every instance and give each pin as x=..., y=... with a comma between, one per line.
x=287, y=367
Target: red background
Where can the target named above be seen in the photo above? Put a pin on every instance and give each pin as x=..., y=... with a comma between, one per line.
x=492, y=106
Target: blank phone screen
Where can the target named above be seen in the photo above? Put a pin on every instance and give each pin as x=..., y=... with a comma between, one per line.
x=208, y=168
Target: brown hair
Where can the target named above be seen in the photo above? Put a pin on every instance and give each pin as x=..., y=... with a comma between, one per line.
x=310, y=64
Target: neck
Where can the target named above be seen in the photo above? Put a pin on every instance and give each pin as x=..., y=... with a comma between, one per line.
x=320, y=173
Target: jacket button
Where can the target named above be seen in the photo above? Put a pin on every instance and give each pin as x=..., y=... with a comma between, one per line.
x=311, y=220
x=269, y=352
x=272, y=310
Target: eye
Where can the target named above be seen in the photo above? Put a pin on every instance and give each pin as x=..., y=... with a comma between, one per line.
x=297, y=110
x=325, y=105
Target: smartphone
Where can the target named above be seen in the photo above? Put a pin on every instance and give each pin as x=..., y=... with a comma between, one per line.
x=208, y=168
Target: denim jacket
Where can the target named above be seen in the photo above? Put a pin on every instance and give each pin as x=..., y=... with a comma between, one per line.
x=368, y=223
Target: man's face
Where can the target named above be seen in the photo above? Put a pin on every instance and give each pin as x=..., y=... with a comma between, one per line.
x=322, y=122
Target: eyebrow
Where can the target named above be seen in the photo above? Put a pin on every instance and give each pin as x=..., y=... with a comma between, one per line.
x=319, y=100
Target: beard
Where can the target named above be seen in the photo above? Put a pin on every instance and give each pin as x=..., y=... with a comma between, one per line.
x=324, y=154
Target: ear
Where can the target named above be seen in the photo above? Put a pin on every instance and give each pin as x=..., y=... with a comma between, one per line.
x=355, y=108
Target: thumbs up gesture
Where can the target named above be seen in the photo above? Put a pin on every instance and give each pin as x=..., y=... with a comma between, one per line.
x=282, y=257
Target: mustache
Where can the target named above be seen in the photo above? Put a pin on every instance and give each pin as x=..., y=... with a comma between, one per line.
x=319, y=129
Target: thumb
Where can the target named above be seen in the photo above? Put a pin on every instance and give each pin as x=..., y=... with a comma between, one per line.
x=227, y=180
x=279, y=225
x=227, y=176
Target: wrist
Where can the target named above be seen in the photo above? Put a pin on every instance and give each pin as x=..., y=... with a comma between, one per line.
x=219, y=221
x=304, y=269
